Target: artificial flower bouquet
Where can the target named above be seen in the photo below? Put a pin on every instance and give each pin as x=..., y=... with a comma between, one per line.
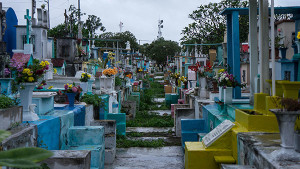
x=85, y=77
x=110, y=72
x=226, y=79
x=25, y=73
x=72, y=88
x=175, y=75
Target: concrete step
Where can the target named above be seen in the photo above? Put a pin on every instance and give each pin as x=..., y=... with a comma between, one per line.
x=150, y=129
x=161, y=112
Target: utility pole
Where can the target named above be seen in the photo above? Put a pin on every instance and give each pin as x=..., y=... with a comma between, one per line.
x=79, y=22
x=48, y=14
x=33, y=7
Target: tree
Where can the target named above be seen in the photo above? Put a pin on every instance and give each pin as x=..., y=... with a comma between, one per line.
x=123, y=36
x=159, y=49
x=209, y=26
x=92, y=24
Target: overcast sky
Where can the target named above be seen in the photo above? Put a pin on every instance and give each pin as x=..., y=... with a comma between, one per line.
x=139, y=16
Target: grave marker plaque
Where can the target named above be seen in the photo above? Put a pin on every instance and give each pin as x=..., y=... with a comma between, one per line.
x=217, y=132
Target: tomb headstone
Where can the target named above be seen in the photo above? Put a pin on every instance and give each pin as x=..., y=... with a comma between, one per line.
x=217, y=132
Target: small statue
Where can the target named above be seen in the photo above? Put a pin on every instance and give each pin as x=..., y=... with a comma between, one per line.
x=34, y=116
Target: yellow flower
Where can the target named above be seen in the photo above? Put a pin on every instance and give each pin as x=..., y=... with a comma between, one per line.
x=50, y=87
x=82, y=75
x=26, y=70
x=298, y=35
x=221, y=70
x=70, y=86
x=89, y=76
x=30, y=79
x=47, y=63
x=43, y=64
x=29, y=73
x=54, y=71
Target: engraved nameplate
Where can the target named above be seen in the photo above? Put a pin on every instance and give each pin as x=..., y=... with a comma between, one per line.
x=217, y=132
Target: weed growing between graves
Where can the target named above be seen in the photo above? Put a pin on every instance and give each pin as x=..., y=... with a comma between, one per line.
x=145, y=119
x=123, y=142
x=147, y=97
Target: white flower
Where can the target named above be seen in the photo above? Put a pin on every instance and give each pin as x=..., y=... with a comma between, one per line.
x=226, y=78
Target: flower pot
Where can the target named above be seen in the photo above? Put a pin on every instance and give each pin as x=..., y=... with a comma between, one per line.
x=283, y=52
x=71, y=98
x=297, y=141
x=84, y=86
x=228, y=95
x=26, y=100
x=221, y=94
x=286, y=122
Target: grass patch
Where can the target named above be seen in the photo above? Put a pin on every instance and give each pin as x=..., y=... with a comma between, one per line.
x=145, y=119
x=134, y=134
x=151, y=134
x=123, y=142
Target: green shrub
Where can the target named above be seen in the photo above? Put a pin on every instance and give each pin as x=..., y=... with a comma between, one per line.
x=93, y=99
x=6, y=102
x=118, y=81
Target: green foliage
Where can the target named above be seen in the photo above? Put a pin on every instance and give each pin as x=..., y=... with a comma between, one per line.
x=209, y=26
x=123, y=142
x=24, y=157
x=123, y=36
x=145, y=119
x=6, y=102
x=93, y=99
x=118, y=81
x=3, y=135
x=159, y=49
x=92, y=24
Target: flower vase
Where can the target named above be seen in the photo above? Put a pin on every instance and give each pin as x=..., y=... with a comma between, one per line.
x=26, y=91
x=84, y=86
x=286, y=122
x=221, y=93
x=203, y=86
x=283, y=52
x=71, y=98
x=228, y=95
x=298, y=46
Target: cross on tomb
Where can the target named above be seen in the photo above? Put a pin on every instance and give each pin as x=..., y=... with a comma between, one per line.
x=28, y=26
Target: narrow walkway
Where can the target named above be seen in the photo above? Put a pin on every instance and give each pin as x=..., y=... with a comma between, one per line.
x=170, y=156
x=149, y=158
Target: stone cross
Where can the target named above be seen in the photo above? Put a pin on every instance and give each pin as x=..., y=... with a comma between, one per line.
x=2, y=22
x=28, y=25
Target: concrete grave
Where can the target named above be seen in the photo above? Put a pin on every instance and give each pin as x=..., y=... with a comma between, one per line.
x=69, y=159
x=182, y=113
x=10, y=116
x=24, y=135
x=129, y=108
x=110, y=138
